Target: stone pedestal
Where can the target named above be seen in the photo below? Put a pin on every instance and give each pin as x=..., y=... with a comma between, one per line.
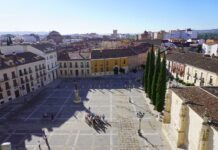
x=6, y=146
x=77, y=98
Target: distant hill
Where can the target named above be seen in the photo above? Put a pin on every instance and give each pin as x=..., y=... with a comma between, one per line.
x=23, y=32
x=208, y=31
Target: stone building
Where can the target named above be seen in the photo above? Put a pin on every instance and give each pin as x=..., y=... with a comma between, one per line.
x=191, y=118
x=20, y=73
x=74, y=64
x=193, y=68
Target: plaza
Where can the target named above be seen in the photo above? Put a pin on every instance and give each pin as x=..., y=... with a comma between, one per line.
x=69, y=130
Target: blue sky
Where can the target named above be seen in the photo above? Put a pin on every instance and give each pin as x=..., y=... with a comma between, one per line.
x=102, y=16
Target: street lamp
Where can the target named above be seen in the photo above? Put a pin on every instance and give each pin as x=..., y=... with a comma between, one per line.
x=140, y=115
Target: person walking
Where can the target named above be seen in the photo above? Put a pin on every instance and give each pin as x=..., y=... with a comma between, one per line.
x=39, y=145
x=130, y=101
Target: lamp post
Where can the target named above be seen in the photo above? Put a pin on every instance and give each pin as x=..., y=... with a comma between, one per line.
x=77, y=98
x=140, y=115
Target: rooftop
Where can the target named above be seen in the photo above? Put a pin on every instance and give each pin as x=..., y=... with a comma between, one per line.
x=45, y=47
x=199, y=100
x=112, y=53
x=73, y=55
x=18, y=59
x=194, y=59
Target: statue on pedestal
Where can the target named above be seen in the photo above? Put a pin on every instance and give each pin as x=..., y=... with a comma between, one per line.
x=77, y=98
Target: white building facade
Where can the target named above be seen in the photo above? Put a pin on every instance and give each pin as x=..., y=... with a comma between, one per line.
x=210, y=49
x=20, y=74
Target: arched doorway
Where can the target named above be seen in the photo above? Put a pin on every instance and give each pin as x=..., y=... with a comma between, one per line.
x=116, y=70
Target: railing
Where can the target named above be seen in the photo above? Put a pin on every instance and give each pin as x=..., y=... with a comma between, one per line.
x=6, y=79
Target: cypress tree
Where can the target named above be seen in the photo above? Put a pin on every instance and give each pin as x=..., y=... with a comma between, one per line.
x=146, y=72
x=150, y=72
x=161, y=86
x=155, y=78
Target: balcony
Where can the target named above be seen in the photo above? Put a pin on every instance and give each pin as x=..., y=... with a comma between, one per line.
x=14, y=76
x=15, y=86
x=6, y=78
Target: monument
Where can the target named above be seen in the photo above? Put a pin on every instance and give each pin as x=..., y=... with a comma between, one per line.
x=77, y=98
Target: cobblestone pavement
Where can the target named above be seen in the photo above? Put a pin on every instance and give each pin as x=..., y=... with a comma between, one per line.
x=69, y=131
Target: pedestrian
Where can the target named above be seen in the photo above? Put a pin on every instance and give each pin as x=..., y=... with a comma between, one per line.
x=103, y=117
x=130, y=101
x=39, y=145
x=43, y=134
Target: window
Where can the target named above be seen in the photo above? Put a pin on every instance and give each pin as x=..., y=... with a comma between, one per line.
x=30, y=70
x=124, y=61
x=202, y=75
x=65, y=72
x=21, y=80
x=82, y=72
x=65, y=65
x=60, y=65
x=70, y=64
x=13, y=75
x=25, y=72
x=76, y=65
x=7, y=86
x=71, y=72
x=9, y=93
x=15, y=83
x=81, y=64
x=211, y=80
x=5, y=76
x=36, y=68
x=61, y=72
x=87, y=64
x=1, y=96
x=87, y=72
x=31, y=83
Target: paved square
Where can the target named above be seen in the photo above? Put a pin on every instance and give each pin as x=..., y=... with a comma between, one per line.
x=69, y=131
